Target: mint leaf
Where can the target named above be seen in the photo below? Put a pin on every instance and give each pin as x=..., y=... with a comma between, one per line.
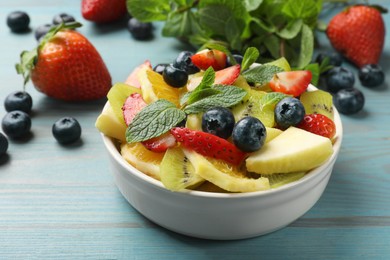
x=154, y=120
x=315, y=72
x=251, y=5
x=229, y=96
x=291, y=30
x=149, y=10
x=250, y=57
x=177, y=24
x=261, y=74
x=307, y=46
x=214, y=17
x=271, y=99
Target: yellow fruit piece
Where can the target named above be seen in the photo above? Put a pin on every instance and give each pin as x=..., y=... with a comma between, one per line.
x=293, y=150
x=242, y=83
x=154, y=87
x=281, y=63
x=272, y=133
x=194, y=122
x=224, y=175
x=109, y=124
x=141, y=158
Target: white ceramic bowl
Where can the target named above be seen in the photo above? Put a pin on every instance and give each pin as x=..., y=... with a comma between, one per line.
x=218, y=215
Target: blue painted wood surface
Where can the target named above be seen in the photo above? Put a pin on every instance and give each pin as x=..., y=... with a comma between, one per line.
x=61, y=202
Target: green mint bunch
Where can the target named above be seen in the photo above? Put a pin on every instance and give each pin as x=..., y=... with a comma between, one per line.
x=276, y=28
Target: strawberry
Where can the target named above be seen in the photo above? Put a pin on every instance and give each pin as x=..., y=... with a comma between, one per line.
x=133, y=104
x=103, y=11
x=358, y=33
x=291, y=82
x=208, y=145
x=66, y=66
x=160, y=143
x=133, y=78
x=206, y=58
x=318, y=124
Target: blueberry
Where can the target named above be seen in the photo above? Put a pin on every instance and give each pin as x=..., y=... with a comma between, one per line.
x=66, y=130
x=249, y=134
x=371, y=75
x=238, y=58
x=159, y=68
x=3, y=144
x=334, y=58
x=63, y=18
x=289, y=112
x=175, y=77
x=339, y=78
x=16, y=124
x=349, y=101
x=18, y=21
x=218, y=121
x=184, y=62
x=18, y=100
x=41, y=31
x=140, y=30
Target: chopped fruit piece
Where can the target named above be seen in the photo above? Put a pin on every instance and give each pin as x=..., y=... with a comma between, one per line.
x=318, y=124
x=110, y=125
x=209, y=58
x=222, y=174
x=227, y=76
x=160, y=143
x=133, y=104
x=281, y=63
x=292, y=151
x=208, y=145
x=291, y=82
x=133, y=78
x=318, y=102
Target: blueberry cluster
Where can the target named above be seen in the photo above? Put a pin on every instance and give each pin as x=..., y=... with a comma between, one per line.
x=340, y=81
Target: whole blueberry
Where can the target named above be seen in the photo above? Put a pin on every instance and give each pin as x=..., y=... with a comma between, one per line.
x=349, y=101
x=237, y=57
x=371, y=75
x=339, y=78
x=41, y=31
x=249, y=134
x=334, y=58
x=3, y=144
x=159, y=68
x=16, y=124
x=289, y=112
x=66, y=130
x=218, y=121
x=184, y=62
x=175, y=77
x=18, y=21
x=63, y=18
x=140, y=30
x=18, y=100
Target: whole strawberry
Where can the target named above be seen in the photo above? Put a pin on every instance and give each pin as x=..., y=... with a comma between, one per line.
x=66, y=66
x=103, y=11
x=358, y=32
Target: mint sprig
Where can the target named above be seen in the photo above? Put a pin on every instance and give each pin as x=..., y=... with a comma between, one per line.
x=261, y=74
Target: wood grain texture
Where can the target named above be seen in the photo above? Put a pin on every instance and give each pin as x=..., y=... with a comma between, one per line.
x=61, y=202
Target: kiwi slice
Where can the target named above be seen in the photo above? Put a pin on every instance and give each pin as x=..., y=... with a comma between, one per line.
x=279, y=179
x=117, y=97
x=318, y=102
x=177, y=172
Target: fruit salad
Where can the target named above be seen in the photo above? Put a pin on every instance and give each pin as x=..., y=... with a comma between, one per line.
x=215, y=122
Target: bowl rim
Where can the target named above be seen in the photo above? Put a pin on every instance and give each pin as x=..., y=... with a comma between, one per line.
x=112, y=148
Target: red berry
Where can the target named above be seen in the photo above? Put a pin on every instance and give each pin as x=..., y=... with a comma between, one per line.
x=160, y=143
x=103, y=11
x=318, y=124
x=209, y=58
x=291, y=82
x=133, y=104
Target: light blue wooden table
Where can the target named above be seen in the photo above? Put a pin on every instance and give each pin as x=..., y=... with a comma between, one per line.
x=61, y=202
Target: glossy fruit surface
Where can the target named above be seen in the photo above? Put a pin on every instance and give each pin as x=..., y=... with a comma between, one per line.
x=209, y=58
x=16, y=124
x=334, y=58
x=66, y=130
x=132, y=106
x=349, y=101
x=291, y=82
x=3, y=144
x=103, y=11
x=218, y=121
x=184, y=62
x=18, y=21
x=63, y=18
x=18, y=100
x=41, y=30
x=371, y=75
x=318, y=124
x=159, y=68
x=289, y=112
x=140, y=30
x=249, y=134
x=175, y=77
x=339, y=78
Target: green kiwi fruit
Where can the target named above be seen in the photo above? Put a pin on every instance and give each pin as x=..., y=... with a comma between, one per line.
x=279, y=179
x=177, y=172
x=318, y=102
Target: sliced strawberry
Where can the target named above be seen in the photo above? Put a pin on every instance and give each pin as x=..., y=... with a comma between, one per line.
x=209, y=58
x=227, y=76
x=133, y=78
x=318, y=124
x=208, y=145
x=291, y=82
x=133, y=104
x=160, y=143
